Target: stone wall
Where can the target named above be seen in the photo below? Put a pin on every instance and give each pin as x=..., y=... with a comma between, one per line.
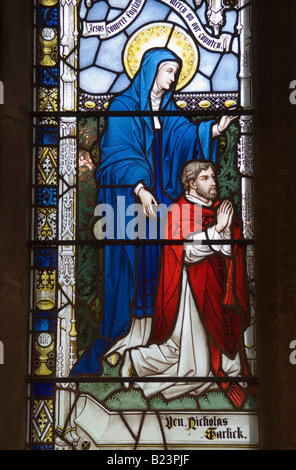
x=15, y=146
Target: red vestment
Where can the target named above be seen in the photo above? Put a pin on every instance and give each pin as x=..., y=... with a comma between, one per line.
x=217, y=284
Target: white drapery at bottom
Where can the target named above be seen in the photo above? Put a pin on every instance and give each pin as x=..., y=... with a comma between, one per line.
x=184, y=354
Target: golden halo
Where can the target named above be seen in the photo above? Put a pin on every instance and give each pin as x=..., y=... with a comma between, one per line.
x=167, y=35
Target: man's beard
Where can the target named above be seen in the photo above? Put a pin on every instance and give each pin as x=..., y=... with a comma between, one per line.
x=210, y=195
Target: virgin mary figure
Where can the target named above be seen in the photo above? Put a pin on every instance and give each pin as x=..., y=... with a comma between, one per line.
x=144, y=147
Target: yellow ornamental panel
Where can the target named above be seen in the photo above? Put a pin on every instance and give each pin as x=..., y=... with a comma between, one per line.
x=48, y=99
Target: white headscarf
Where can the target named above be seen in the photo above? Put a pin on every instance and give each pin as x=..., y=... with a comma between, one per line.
x=156, y=93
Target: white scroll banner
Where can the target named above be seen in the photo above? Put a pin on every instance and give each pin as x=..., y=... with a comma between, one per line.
x=203, y=38
x=105, y=30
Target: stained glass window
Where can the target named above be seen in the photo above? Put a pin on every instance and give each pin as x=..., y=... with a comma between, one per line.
x=142, y=246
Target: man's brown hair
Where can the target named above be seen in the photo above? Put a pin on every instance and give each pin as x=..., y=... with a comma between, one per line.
x=191, y=171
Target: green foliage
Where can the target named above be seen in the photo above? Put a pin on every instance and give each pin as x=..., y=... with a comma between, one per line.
x=251, y=403
x=227, y=175
x=99, y=390
x=85, y=331
x=87, y=272
x=117, y=398
x=131, y=399
x=102, y=390
x=89, y=155
x=89, y=287
x=88, y=132
x=95, y=154
x=89, y=258
x=96, y=309
x=183, y=403
x=110, y=371
x=214, y=401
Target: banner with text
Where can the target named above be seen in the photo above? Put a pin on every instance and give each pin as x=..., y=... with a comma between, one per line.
x=106, y=30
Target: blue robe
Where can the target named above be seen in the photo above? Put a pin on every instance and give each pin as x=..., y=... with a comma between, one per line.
x=133, y=152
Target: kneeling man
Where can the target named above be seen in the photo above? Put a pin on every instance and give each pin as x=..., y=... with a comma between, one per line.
x=201, y=309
